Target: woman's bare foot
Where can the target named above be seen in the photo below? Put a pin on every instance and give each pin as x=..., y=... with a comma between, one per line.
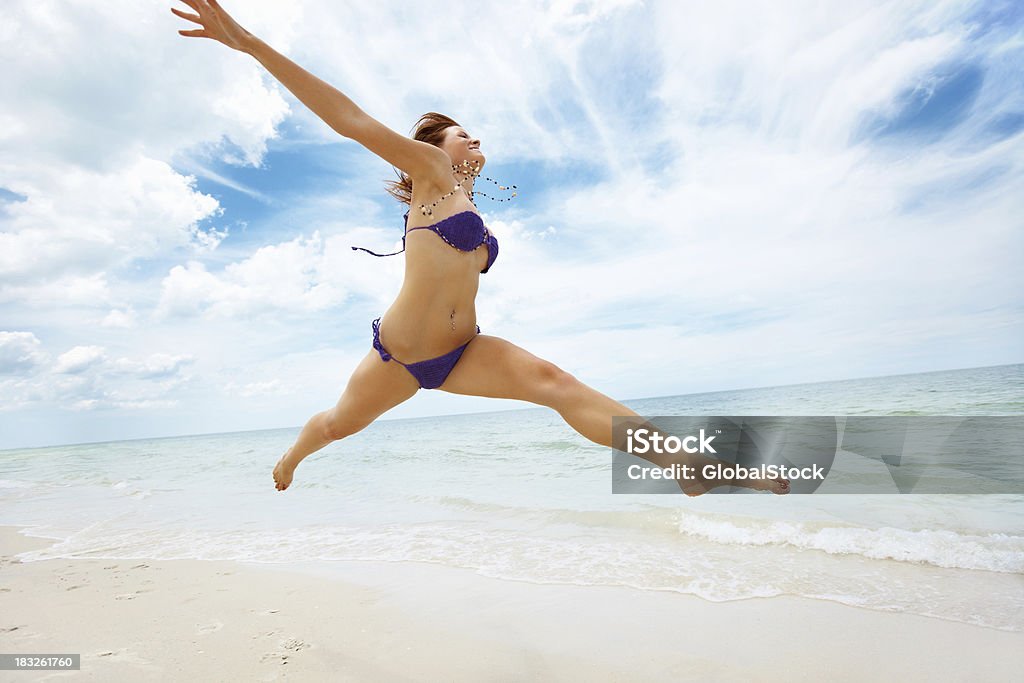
x=283, y=472
x=700, y=486
x=778, y=485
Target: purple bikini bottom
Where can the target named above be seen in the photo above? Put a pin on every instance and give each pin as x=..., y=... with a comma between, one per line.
x=430, y=373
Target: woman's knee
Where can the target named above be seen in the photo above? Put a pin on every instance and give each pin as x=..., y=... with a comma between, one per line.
x=555, y=385
x=337, y=426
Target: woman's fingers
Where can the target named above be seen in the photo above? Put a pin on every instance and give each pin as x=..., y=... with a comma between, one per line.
x=216, y=24
x=186, y=15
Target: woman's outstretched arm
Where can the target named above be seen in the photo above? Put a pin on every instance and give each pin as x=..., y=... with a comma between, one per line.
x=418, y=159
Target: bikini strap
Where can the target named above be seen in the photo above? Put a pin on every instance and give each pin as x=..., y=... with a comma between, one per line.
x=376, y=254
x=394, y=253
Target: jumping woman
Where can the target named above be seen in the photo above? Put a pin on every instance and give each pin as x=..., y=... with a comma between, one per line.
x=428, y=338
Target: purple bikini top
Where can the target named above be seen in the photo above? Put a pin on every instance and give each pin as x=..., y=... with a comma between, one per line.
x=464, y=230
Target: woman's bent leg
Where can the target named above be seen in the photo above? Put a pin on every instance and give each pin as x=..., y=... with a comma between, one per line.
x=374, y=388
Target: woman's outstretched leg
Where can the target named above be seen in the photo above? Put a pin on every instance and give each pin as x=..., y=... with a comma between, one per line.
x=375, y=387
x=497, y=368
x=590, y=413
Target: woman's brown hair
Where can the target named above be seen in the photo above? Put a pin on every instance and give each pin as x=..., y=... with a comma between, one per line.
x=429, y=128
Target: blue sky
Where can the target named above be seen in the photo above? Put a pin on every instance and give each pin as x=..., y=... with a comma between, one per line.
x=710, y=197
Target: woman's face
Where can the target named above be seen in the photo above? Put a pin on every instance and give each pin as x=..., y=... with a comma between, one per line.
x=461, y=147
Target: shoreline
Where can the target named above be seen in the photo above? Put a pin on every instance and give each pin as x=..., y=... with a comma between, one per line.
x=371, y=621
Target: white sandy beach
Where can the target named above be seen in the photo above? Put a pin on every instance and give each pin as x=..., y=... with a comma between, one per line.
x=225, y=621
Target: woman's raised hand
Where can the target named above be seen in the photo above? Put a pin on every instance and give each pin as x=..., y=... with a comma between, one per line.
x=216, y=24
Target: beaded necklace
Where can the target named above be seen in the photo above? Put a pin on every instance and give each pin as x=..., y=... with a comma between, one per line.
x=473, y=172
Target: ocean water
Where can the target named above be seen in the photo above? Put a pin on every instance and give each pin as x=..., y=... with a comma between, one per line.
x=520, y=496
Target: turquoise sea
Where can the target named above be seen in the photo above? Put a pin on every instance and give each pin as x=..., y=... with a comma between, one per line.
x=518, y=495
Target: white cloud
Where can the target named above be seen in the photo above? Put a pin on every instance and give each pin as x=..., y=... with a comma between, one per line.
x=20, y=352
x=272, y=387
x=303, y=275
x=157, y=365
x=79, y=221
x=120, y=318
x=79, y=359
x=60, y=292
x=281, y=277
x=88, y=378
